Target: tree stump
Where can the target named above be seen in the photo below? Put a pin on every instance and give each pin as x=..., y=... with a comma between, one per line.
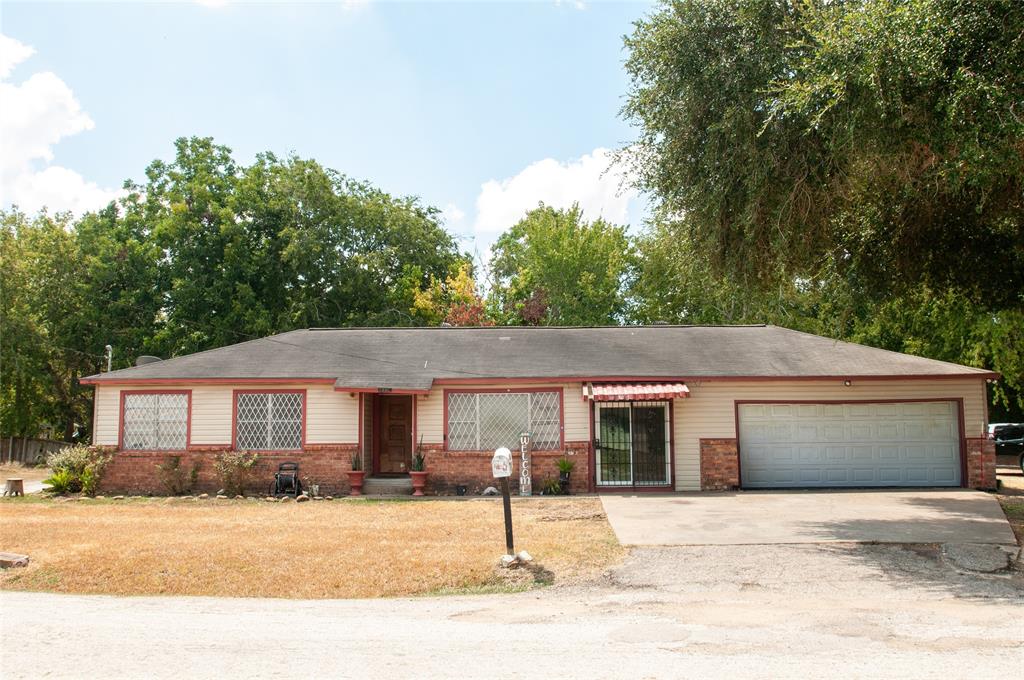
x=15, y=487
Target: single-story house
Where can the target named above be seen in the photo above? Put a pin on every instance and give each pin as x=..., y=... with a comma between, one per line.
x=659, y=407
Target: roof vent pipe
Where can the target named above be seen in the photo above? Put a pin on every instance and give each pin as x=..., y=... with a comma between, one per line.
x=147, y=359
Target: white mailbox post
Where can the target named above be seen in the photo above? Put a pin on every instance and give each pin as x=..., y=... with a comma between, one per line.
x=501, y=467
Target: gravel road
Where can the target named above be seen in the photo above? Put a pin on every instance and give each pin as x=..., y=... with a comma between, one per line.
x=764, y=611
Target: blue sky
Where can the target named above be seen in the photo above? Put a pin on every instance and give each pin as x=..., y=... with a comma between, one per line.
x=482, y=109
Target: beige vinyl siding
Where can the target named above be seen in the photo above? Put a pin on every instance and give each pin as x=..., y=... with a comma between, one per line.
x=709, y=411
x=107, y=420
x=331, y=417
x=430, y=410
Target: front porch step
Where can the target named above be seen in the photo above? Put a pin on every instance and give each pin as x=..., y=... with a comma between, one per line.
x=387, y=486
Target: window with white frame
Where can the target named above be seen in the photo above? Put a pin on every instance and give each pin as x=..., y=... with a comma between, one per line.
x=268, y=421
x=155, y=421
x=483, y=421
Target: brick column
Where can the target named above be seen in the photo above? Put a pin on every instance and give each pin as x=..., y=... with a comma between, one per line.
x=719, y=465
x=981, y=464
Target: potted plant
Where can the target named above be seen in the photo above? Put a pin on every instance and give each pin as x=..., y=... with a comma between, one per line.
x=355, y=476
x=418, y=472
x=565, y=467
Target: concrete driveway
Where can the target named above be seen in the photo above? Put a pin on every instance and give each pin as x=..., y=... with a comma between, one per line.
x=781, y=517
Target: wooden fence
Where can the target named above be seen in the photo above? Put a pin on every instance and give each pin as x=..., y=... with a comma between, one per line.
x=25, y=450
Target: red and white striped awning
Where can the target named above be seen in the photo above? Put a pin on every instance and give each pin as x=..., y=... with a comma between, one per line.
x=634, y=391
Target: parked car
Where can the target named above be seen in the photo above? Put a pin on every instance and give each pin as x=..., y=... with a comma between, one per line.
x=1009, y=439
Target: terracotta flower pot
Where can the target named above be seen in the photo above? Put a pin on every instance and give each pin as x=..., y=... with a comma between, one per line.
x=355, y=481
x=419, y=481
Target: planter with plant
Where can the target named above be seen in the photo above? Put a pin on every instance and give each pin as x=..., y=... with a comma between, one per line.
x=356, y=475
x=565, y=467
x=418, y=472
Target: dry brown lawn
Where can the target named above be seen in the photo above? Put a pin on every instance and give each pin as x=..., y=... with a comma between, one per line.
x=318, y=549
x=26, y=472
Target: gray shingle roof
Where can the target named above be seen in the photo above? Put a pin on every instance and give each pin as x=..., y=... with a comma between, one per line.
x=412, y=358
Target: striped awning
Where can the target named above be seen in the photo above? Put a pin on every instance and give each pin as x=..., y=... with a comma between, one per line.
x=634, y=391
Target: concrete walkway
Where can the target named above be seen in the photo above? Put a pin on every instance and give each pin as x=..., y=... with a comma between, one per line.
x=779, y=517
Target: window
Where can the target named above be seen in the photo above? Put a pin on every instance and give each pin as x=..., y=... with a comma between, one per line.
x=268, y=421
x=486, y=421
x=154, y=421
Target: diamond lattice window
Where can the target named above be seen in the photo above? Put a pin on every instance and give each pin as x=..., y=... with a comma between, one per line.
x=268, y=421
x=155, y=421
x=485, y=421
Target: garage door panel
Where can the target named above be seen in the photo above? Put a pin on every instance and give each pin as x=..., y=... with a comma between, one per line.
x=864, y=444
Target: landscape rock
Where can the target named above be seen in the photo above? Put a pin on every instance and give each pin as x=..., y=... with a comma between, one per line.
x=221, y=497
x=270, y=499
x=328, y=498
x=509, y=561
x=204, y=495
x=490, y=491
x=222, y=492
x=524, y=556
x=8, y=560
x=117, y=498
x=301, y=498
x=239, y=497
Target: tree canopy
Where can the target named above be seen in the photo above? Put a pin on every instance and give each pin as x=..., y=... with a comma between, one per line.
x=555, y=268
x=853, y=168
x=205, y=253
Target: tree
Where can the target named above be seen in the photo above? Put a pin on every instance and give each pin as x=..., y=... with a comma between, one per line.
x=555, y=268
x=881, y=137
x=205, y=253
x=846, y=166
x=453, y=301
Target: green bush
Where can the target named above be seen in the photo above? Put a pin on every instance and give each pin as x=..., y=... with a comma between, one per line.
x=76, y=468
x=175, y=479
x=235, y=470
x=62, y=481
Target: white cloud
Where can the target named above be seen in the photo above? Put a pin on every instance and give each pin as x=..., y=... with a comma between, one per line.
x=12, y=53
x=35, y=115
x=592, y=181
x=453, y=215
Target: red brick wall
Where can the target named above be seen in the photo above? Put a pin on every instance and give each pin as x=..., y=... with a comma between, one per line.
x=323, y=464
x=981, y=464
x=719, y=465
x=328, y=465
x=448, y=469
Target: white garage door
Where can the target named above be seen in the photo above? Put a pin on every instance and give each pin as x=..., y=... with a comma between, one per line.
x=860, y=444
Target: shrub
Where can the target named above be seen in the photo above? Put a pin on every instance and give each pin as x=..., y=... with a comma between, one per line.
x=551, y=487
x=61, y=481
x=565, y=465
x=76, y=468
x=175, y=479
x=235, y=470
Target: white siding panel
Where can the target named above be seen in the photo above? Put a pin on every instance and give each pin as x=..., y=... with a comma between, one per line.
x=108, y=415
x=709, y=411
x=332, y=417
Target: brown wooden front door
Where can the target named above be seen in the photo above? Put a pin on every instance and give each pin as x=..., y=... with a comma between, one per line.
x=394, y=434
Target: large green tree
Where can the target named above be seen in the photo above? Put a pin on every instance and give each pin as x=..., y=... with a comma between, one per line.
x=555, y=268
x=855, y=168
x=205, y=252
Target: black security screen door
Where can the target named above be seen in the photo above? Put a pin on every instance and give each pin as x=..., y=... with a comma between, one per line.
x=632, y=444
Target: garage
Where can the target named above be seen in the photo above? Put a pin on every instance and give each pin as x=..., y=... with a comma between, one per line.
x=861, y=444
